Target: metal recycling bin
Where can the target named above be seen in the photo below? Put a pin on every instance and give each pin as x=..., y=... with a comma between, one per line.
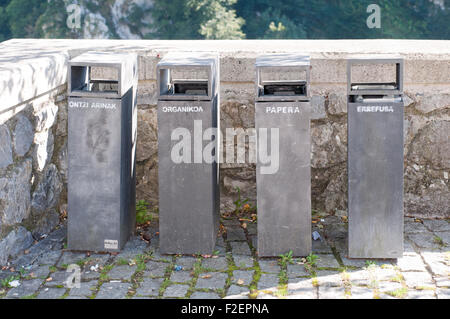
x=375, y=161
x=188, y=173
x=102, y=133
x=284, y=194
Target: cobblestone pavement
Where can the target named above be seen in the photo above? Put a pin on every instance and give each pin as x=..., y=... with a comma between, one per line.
x=235, y=272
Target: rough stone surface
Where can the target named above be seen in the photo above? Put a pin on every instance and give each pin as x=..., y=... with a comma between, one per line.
x=422, y=273
x=149, y=287
x=23, y=135
x=86, y=289
x=211, y=280
x=219, y=263
x=113, y=290
x=155, y=269
x=46, y=195
x=121, y=272
x=242, y=277
x=26, y=289
x=5, y=147
x=16, y=242
x=15, y=201
x=176, y=291
x=51, y=293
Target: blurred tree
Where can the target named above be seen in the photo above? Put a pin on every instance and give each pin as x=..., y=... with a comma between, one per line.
x=23, y=15
x=195, y=19
x=53, y=22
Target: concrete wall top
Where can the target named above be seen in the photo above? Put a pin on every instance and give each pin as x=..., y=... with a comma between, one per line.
x=32, y=67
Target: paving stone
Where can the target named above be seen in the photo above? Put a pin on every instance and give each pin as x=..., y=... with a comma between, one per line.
x=176, y=291
x=327, y=261
x=383, y=274
x=385, y=286
x=438, y=263
x=252, y=229
x=69, y=258
x=121, y=272
x=240, y=248
x=230, y=222
x=424, y=240
x=414, y=227
x=269, y=266
x=296, y=270
x=263, y=295
x=243, y=277
x=437, y=225
x=90, y=275
x=211, y=280
x=445, y=236
x=236, y=234
x=443, y=282
x=49, y=257
x=359, y=263
x=361, y=293
x=180, y=276
x=40, y=272
x=320, y=247
x=85, y=290
x=187, y=263
x=268, y=281
x=132, y=248
x=301, y=289
x=243, y=261
x=51, y=293
x=149, y=287
x=418, y=279
x=58, y=278
x=204, y=295
x=155, y=269
x=113, y=290
x=219, y=263
x=237, y=292
x=421, y=294
x=359, y=277
x=327, y=292
x=220, y=249
x=411, y=263
x=329, y=279
x=443, y=293
x=26, y=288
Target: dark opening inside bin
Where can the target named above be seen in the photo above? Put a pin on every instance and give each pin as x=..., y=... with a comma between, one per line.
x=283, y=88
x=190, y=87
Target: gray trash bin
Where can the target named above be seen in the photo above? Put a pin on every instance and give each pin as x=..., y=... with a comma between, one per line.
x=188, y=104
x=284, y=195
x=102, y=122
x=375, y=161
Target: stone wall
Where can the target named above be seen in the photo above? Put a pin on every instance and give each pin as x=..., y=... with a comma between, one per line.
x=33, y=173
x=33, y=124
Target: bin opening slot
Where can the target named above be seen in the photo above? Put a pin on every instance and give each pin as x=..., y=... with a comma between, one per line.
x=374, y=86
x=283, y=88
x=95, y=79
x=189, y=87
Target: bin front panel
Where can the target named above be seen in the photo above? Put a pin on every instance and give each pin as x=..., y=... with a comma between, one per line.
x=375, y=179
x=94, y=179
x=188, y=192
x=284, y=198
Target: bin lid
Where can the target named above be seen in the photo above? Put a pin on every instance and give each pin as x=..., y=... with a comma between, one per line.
x=208, y=61
x=125, y=63
x=291, y=60
x=395, y=88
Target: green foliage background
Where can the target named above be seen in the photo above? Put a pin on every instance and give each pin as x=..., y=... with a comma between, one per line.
x=235, y=19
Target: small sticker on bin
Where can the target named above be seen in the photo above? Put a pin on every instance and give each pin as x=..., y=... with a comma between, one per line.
x=111, y=244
